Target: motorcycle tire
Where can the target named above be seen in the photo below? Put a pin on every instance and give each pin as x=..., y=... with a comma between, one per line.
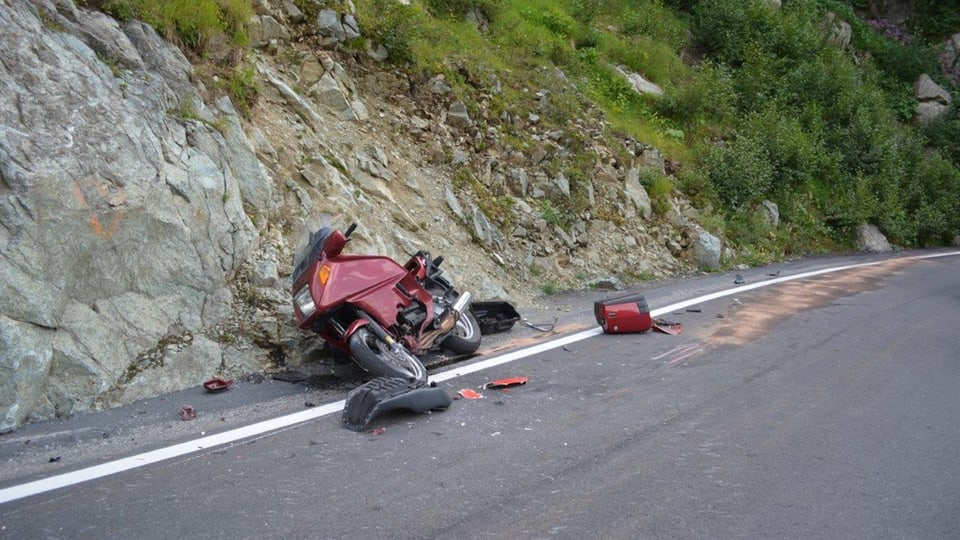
x=465, y=336
x=378, y=358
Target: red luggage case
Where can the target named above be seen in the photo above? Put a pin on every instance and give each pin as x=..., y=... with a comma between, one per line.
x=623, y=314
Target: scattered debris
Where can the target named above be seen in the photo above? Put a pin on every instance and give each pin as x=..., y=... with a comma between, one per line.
x=383, y=394
x=217, y=385
x=568, y=349
x=667, y=327
x=541, y=327
x=309, y=404
x=54, y=459
x=774, y=274
x=694, y=310
x=739, y=280
x=494, y=316
x=623, y=314
x=467, y=393
x=506, y=383
x=187, y=412
x=378, y=431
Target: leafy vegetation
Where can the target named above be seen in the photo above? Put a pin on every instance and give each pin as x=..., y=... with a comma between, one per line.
x=193, y=23
x=758, y=103
x=830, y=140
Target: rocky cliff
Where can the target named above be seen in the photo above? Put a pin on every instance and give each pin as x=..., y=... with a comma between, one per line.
x=147, y=229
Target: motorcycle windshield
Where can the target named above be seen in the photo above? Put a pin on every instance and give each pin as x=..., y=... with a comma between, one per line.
x=308, y=253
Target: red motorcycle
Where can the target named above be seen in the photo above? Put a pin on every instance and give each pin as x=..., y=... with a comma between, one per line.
x=382, y=315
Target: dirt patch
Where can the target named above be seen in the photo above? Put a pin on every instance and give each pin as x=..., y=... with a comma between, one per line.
x=746, y=322
x=526, y=341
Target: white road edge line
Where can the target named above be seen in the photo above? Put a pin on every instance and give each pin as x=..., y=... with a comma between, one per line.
x=43, y=485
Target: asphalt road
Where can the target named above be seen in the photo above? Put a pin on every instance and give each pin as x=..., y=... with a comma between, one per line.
x=824, y=407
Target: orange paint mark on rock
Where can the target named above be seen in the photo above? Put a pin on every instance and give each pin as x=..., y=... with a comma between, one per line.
x=95, y=224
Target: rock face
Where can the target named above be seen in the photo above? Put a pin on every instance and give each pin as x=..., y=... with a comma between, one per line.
x=896, y=11
x=130, y=264
x=706, y=250
x=871, y=240
x=932, y=100
x=121, y=212
x=950, y=58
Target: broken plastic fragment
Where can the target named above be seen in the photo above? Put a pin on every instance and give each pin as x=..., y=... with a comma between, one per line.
x=217, y=385
x=667, y=327
x=504, y=383
x=467, y=393
x=187, y=412
x=378, y=431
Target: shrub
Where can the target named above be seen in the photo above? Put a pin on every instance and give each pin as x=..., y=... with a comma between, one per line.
x=554, y=215
x=727, y=29
x=243, y=88
x=660, y=191
x=741, y=172
x=944, y=133
x=935, y=21
x=932, y=197
x=705, y=96
x=459, y=8
x=652, y=20
x=394, y=25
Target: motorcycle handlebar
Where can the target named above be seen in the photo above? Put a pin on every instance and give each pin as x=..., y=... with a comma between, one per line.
x=350, y=230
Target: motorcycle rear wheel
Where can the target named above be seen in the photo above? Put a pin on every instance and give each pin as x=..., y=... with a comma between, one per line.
x=378, y=358
x=465, y=336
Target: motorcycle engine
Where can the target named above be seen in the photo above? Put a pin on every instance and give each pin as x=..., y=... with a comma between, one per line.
x=410, y=319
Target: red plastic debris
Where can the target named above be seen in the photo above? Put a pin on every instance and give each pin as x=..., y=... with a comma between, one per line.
x=378, y=431
x=217, y=385
x=467, y=393
x=187, y=412
x=504, y=383
x=667, y=327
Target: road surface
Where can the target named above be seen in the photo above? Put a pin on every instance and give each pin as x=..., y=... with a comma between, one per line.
x=822, y=407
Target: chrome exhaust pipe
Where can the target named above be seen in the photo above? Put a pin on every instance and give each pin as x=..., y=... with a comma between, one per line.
x=463, y=301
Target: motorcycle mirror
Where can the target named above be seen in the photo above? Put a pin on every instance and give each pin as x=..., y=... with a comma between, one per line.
x=350, y=230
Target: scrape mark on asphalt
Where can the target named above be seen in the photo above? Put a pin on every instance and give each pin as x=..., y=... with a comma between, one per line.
x=680, y=353
x=745, y=322
x=511, y=344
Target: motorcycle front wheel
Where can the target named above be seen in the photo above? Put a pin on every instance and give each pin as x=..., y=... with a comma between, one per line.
x=378, y=358
x=465, y=336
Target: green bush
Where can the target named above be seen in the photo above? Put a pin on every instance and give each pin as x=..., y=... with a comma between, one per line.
x=944, y=133
x=740, y=172
x=706, y=96
x=244, y=88
x=459, y=8
x=558, y=21
x=652, y=20
x=586, y=11
x=932, y=197
x=725, y=30
x=394, y=25
x=935, y=21
x=660, y=191
x=555, y=215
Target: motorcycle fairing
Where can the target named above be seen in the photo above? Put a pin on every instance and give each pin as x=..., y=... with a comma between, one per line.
x=382, y=394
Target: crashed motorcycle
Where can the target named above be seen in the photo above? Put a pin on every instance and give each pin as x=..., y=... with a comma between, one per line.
x=382, y=315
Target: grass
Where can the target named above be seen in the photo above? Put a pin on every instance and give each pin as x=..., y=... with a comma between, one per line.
x=830, y=142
